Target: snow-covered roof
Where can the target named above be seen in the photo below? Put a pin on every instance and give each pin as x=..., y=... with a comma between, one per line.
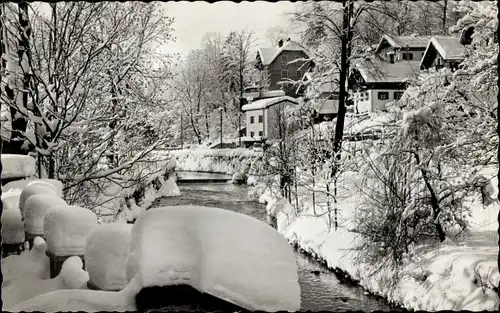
x=326, y=106
x=377, y=71
x=448, y=47
x=404, y=41
x=265, y=103
x=268, y=55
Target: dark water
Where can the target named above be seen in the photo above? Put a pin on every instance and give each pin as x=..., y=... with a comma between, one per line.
x=321, y=292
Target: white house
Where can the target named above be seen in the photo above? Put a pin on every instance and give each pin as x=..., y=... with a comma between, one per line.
x=443, y=51
x=263, y=117
x=375, y=83
x=401, y=48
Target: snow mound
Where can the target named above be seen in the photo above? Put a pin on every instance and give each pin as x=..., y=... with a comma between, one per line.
x=30, y=263
x=83, y=300
x=17, y=166
x=207, y=249
x=35, y=208
x=169, y=188
x=52, y=183
x=10, y=199
x=21, y=184
x=72, y=276
x=66, y=229
x=28, y=191
x=106, y=254
x=12, y=227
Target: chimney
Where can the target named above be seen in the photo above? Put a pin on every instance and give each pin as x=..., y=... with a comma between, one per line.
x=280, y=43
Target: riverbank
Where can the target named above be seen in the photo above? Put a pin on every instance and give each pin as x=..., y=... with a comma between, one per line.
x=459, y=275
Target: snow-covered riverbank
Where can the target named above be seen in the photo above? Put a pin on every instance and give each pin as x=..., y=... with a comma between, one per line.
x=459, y=275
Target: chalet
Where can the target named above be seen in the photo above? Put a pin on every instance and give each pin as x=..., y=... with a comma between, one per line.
x=401, y=48
x=373, y=84
x=275, y=62
x=443, y=51
x=263, y=117
x=321, y=90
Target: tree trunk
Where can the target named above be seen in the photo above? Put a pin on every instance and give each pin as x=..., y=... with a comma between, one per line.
x=345, y=55
x=445, y=7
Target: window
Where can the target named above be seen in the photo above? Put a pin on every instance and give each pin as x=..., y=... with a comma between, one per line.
x=367, y=95
x=383, y=95
x=391, y=58
x=398, y=95
x=284, y=59
x=252, y=119
x=260, y=118
x=252, y=134
x=299, y=74
x=284, y=74
x=261, y=133
x=407, y=56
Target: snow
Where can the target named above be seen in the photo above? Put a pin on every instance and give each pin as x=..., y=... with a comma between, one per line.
x=53, y=183
x=30, y=263
x=169, y=188
x=454, y=275
x=72, y=276
x=83, y=300
x=265, y=103
x=10, y=199
x=35, y=189
x=35, y=209
x=12, y=227
x=106, y=254
x=17, y=166
x=66, y=229
x=208, y=249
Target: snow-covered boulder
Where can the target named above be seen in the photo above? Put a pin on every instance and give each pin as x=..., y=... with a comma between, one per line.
x=28, y=191
x=226, y=254
x=10, y=199
x=35, y=209
x=66, y=229
x=83, y=300
x=12, y=227
x=52, y=183
x=169, y=188
x=106, y=254
x=33, y=262
x=16, y=166
x=72, y=276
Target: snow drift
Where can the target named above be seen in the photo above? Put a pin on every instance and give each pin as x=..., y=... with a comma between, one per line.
x=17, y=166
x=72, y=276
x=226, y=254
x=106, y=254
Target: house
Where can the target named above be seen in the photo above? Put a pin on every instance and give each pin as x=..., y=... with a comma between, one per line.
x=443, y=51
x=401, y=48
x=321, y=91
x=263, y=117
x=274, y=62
x=373, y=84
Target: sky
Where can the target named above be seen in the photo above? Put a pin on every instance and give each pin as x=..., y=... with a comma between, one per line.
x=194, y=19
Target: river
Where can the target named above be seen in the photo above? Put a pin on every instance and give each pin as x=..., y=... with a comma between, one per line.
x=320, y=288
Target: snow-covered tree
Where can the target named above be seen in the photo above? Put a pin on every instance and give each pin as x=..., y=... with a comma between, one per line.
x=94, y=86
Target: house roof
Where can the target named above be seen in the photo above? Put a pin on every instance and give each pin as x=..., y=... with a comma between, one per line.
x=404, y=41
x=448, y=47
x=265, y=103
x=378, y=71
x=268, y=55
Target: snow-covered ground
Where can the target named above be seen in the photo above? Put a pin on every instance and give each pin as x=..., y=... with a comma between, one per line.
x=458, y=275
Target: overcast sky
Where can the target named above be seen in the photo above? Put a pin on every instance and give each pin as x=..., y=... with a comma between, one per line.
x=194, y=19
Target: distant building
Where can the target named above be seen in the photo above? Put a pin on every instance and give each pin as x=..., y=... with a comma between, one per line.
x=394, y=49
x=444, y=51
x=373, y=84
x=263, y=117
x=274, y=63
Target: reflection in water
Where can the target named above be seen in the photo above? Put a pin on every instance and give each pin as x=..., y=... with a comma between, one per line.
x=319, y=291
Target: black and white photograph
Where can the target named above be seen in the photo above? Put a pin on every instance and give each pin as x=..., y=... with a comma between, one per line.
x=223, y=156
